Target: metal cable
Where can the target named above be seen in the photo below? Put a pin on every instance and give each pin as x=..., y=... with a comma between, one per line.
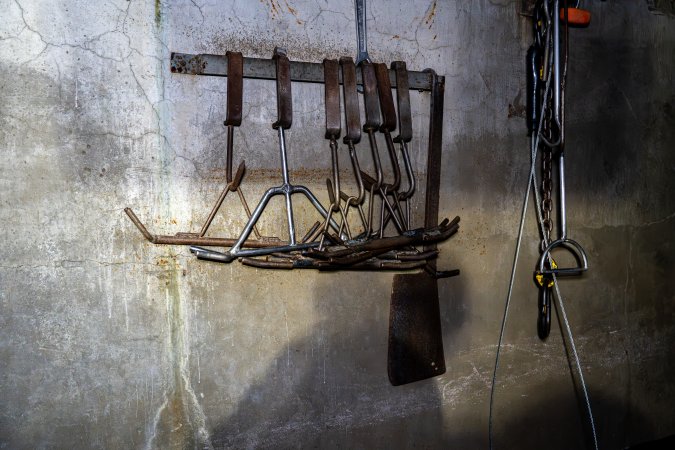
x=532, y=183
x=540, y=222
x=535, y=145
x=564, y=314
x=555, y=279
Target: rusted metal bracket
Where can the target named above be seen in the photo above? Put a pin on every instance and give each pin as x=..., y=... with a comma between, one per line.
x=265, y=69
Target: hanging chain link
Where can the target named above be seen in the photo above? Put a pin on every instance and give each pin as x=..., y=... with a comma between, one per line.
x=547, y=175
x=546, y=190
x=547, y=132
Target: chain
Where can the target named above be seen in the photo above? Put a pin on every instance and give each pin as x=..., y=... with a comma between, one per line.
x=546, y=189
x=548, y=130
x=547, y=171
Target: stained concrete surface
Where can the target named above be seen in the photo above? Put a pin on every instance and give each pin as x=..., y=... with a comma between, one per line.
x=110, y=342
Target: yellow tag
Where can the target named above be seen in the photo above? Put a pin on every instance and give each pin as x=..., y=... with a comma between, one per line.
x=540, y=277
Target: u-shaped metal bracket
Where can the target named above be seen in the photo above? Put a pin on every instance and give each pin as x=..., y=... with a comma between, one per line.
x=571, y=245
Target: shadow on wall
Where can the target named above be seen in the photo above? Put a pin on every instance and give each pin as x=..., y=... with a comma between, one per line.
x=330, y=389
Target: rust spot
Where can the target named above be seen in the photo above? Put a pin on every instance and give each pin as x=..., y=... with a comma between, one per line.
x=431, y=12
x=274, y=8
x=192, y=66
x=294, y=12
x=396, y=36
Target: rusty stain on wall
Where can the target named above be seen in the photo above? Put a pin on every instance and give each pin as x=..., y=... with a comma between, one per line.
x=429, y=18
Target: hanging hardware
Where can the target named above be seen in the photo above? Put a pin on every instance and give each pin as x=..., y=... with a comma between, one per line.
x=329, y=245
x=233, y=118
x=352, y=136
x=543, y=61
x=373, y=122
x=283, y=122
x=333, y=131
x=537, y=132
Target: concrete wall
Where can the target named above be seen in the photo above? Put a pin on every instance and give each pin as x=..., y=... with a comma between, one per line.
x=109, y=342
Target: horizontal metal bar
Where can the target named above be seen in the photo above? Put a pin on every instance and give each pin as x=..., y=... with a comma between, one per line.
x=265, y=69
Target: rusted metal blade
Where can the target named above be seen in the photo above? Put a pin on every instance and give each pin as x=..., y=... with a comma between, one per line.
x=351, y=99
x=332, y=96
x=284, y=96
x=415, y=338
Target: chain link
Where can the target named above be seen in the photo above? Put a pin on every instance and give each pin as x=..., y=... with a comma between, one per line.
x=548, y=130
x=546, y=190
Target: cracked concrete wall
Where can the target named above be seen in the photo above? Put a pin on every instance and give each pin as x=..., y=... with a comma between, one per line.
x=109, y=342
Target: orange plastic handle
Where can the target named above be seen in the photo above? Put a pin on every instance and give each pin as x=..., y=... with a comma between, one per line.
x=576, y=16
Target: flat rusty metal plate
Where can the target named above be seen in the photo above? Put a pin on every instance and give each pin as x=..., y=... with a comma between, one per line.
x=415, y=338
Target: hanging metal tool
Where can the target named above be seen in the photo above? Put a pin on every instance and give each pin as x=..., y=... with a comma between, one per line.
x=373, y=121
x=405, y=136
x=283, y=122
x=333, y=130
x=392, y=208
x=545, y=65
x=405, y=130
x=233, y=118
x=352, y=136
x=235, y=88
x=415, y=336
